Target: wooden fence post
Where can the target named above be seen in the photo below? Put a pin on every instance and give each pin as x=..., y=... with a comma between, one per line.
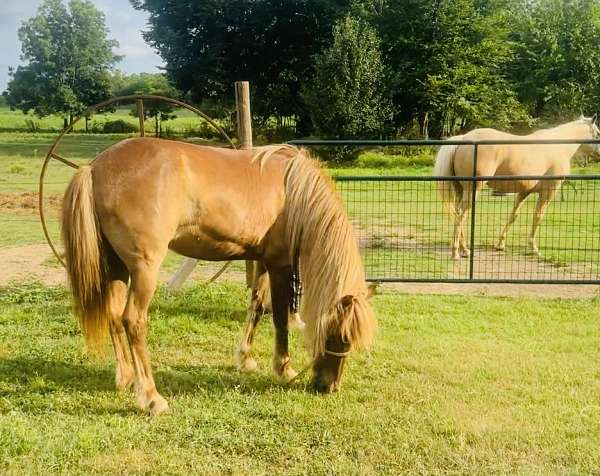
x=244, y=132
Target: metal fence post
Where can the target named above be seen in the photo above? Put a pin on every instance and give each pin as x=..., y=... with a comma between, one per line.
x=473, y=197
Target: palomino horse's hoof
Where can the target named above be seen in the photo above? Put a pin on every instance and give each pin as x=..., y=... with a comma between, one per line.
x=500, y=247
x=465, y=253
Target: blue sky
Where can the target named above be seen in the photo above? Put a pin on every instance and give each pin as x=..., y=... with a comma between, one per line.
x=124, y=22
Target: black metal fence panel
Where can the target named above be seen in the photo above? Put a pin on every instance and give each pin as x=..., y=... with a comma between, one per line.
x=405, y=231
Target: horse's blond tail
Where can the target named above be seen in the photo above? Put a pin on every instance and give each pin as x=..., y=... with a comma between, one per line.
x=85, y=259
x=444, y=167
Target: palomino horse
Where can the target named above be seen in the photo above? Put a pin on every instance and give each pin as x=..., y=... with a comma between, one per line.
x=508, y=159
x=143, y=196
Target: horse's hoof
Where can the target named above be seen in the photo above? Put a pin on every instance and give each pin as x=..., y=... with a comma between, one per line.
x=247, y=364
x=157, y=406
x=286, y=376
x=465, y=253
x=295, y=322
x=455, y=256
x=500, y=247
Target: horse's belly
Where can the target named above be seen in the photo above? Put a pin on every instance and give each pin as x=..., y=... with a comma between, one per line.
x=203, y=247
x=512, y=186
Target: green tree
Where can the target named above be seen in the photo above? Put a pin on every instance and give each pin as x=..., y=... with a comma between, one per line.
x=69, y=60
x=556, y=67
x=209, y=45
x=346, y=96
x=448, y=62
x=150, y=83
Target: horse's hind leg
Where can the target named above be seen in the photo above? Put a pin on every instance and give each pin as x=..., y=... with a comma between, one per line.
x=280, y=298
x=117, y=288
x=519, y=199
x=143, y=284
x=258, y=304
x=545, y=196
x=460, y=247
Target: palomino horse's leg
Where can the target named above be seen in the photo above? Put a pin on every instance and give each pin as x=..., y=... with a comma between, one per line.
x=143, y=285
x=545, y=196
x=519, y=199
x=459, y=245
x=258, y=303
x=280, y=299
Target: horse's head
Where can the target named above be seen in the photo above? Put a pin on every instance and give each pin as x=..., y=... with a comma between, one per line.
x=594, y=133
x=352, y=327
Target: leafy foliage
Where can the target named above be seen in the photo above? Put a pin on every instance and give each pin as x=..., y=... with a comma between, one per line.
x=69, y=60
x=155, y=84
x=209, y=45
x=556, y=67
x=346, y=97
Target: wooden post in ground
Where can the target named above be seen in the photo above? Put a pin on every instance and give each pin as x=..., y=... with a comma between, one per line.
x=244, y=132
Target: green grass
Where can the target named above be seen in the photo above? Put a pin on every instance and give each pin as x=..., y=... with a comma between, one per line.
x=452, y=385
x=186, y=122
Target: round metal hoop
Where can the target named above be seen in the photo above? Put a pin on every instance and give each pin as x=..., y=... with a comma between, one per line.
x=139, y=98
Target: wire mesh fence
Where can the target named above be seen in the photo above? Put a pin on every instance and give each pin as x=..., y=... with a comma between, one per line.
x=405, y=231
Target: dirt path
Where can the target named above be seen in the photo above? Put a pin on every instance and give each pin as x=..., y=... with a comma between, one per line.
x=32, y=262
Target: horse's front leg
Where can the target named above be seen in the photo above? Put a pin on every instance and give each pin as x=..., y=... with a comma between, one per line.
x=519, y=199
x=280, y=299
x=258, y=304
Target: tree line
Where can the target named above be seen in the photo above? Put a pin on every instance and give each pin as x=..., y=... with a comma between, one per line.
x=338, y=68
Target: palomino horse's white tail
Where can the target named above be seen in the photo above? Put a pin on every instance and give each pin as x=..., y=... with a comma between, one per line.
x=85, y=258
x=444, y=167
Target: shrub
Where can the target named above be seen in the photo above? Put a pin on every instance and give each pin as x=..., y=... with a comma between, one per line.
x=119, y=126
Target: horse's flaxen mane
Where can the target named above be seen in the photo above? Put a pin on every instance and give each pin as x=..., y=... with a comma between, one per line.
x=319, y=232
x=262, y=154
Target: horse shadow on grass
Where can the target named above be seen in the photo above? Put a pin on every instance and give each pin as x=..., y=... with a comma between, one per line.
x=25, y=382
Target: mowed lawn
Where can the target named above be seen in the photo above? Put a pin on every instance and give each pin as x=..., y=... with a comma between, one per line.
x=452, y=385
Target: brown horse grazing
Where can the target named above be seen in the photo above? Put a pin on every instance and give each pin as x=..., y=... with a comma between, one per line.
x=509, y=159
x=143, y=196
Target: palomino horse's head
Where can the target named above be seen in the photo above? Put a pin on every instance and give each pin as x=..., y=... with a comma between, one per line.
x=352, y=327
x=594, y=133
